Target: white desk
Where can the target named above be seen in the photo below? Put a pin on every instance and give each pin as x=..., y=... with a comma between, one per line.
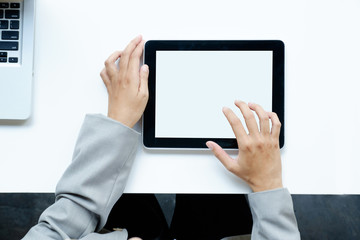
x=73, y=38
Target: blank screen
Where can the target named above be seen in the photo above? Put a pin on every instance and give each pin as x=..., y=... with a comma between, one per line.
x=193, y=86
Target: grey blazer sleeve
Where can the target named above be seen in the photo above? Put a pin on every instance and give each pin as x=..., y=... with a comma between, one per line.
x=273, y=215
x=92, y=184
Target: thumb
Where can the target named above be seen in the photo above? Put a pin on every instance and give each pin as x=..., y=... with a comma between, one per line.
x=220, y=154
x=144, y=75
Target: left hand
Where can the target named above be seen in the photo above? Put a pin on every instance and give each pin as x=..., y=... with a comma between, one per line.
x=126, y=85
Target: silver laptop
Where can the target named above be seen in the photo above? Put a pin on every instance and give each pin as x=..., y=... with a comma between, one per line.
x=16, y=58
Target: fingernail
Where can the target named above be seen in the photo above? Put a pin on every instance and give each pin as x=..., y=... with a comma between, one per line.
x=209, y=145
x=224, y=109
x=145, y=68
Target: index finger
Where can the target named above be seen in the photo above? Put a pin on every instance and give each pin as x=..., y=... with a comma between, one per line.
x=124, y=61
x=235, y=124
x=134, y=62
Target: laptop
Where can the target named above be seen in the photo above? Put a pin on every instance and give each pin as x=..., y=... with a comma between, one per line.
x=16, y=58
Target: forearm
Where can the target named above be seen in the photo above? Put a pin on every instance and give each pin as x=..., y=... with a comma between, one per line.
x=94, y=181
x=273, y=215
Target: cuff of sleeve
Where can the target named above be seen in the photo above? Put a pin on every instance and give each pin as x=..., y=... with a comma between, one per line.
x=273, y=215
x=269, y=202
x=109, y=121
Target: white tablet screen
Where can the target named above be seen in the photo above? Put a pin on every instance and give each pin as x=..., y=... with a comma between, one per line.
x=193, y=86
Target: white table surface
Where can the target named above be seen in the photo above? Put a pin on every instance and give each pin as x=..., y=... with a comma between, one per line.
x=73, y=38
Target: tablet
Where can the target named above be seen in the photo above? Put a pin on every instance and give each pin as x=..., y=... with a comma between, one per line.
x=190, y=82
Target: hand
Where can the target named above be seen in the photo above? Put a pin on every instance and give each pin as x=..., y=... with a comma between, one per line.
x=127, y=86
x=258, y=162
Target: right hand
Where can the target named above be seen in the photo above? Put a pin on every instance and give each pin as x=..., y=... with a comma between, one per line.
x=258, y=162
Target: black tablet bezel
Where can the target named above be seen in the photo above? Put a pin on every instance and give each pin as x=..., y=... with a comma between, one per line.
x=277, y=46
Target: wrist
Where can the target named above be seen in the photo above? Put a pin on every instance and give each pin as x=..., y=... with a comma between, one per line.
x=120, y=118
x=266, y=186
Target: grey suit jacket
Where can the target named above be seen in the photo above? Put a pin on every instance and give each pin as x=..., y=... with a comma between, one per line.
x=94, y=181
